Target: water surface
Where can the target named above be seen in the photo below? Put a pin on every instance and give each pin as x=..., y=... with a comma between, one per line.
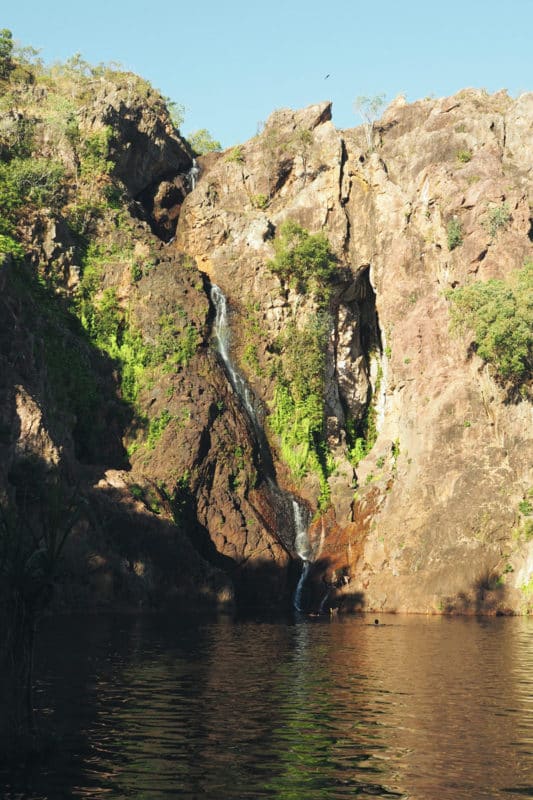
x=159, y=707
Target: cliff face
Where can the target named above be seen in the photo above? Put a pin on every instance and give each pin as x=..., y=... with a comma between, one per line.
x=410, y=455
x=434, y=523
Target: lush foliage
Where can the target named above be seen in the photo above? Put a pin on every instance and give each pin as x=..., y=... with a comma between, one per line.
x=27, y=180
x=500, y=315
x=298, y=408
x=303, y=260
x=202, y=142
x=111, y=330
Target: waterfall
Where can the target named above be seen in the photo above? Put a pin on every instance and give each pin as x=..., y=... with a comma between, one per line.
x=283, y=500
x=303, y=550
x=221, y=330
x=193, y=174
x=301, y=541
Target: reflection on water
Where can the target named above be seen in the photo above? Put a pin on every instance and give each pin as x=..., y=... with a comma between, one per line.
x=428, y=709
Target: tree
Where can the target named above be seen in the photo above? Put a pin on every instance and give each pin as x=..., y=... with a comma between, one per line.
x=176, y=112
x=6, y=52
x=202, y=142
x=369, y=108
x=302, y=143
x=34, y=526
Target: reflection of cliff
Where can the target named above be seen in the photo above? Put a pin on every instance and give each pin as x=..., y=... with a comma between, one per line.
x=416, y=706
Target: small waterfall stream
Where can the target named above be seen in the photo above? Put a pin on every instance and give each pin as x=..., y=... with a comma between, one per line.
x=221, y=330
x=239, y=385
x=193, y=174
x=303, y=550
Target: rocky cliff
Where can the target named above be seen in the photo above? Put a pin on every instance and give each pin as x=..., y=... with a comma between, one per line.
x=434, y=522
x=338, y=253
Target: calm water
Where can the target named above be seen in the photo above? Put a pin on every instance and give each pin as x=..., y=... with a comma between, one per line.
x=419, y=708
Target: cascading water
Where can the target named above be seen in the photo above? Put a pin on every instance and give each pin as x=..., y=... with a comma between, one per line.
x=221, y=330
x=303, y=550
x=193, y=174
x=283, y=499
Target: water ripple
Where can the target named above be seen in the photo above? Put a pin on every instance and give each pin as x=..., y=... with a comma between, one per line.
x=420, y=709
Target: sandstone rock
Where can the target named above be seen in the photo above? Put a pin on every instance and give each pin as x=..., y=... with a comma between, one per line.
x=428, y=492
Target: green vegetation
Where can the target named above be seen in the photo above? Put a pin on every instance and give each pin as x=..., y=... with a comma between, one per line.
x=156, y=426
x=251, y=359
x=25, y=183
x=176, y=112
x=303, y=260
x=236, y=155
x=110, y=328
x=10, y=246
x=94, y=161
x=525, y=508
x=6, y=52
x=298, y=407
x=498, y=218
x=500, y=315
x=464, y=156
x=302, y=142
x=73, y=381
x=202, y=142
x=259, y=200
x=454, y=233
x=174, y=346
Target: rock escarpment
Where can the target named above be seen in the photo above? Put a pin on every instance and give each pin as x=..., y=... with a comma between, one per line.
x=435, y=521
x=408, y=453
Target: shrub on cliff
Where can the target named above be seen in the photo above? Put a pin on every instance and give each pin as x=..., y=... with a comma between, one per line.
x=500, y=315
x=303, y=260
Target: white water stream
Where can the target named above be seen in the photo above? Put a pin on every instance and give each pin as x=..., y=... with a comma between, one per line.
x=240, y=387
x=303, y=550
x=193, y=174
x=221, y=330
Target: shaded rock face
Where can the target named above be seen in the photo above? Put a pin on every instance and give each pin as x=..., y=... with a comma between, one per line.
x=146, y=148
x=149, y=156
x=430, y=527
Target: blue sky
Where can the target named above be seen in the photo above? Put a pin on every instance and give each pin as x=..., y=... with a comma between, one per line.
x=232, y=63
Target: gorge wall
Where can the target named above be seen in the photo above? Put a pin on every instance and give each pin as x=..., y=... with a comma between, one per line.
x=408, y=453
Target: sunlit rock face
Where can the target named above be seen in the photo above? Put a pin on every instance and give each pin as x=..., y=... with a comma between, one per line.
x=430, y=525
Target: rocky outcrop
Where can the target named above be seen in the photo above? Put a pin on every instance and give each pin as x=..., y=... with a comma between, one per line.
x=146, y=148
x=148, y=154
x=434, y=524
